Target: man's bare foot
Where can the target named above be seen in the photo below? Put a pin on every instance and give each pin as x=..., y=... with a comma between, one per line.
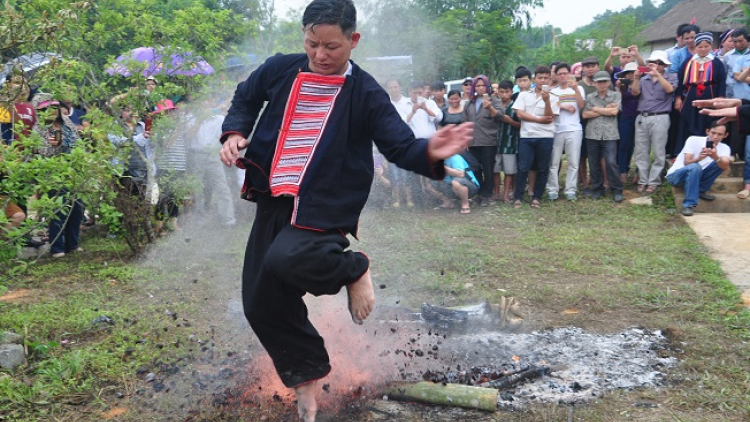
x=307, y=407
x=361, y=298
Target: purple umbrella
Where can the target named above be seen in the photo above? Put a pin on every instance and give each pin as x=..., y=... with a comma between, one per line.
x=154, y=62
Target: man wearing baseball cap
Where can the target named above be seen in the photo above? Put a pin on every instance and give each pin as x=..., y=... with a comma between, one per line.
x=602, y=134
x=655, y=91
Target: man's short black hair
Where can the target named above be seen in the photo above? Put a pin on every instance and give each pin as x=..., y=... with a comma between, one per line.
x=680, y=27
x=543, y=70
x=523, y=71
x=437, y=86
x=716, y=123
x=554, y=64
x=505, y=84
x=688, y=29
x=416, y=84
x=331, y=12
x=741, y=32
x=562, y=65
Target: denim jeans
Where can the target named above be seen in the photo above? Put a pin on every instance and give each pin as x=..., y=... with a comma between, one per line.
x=695, y=179
x=607, y=149
x=65, y=227
x=530, y=150
x=626, y=146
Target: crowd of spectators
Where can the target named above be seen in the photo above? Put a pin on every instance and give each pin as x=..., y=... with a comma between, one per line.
x=616, y=125
x=151, y=161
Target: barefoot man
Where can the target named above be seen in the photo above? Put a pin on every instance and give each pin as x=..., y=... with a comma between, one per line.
x=309, y=168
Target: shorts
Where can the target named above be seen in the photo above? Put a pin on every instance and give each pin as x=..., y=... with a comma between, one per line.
x=507, y=163
x=448, y=188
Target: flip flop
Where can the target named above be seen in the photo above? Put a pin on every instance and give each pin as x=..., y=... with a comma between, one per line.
x=466, y=210
x=517, y=204
x=535, y=204
x=743, y=194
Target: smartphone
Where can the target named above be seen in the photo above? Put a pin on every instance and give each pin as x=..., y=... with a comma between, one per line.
x=623, y=50
x=709, y=144
x=485, y=96
x=643, y=69
x=546, y=88
x=58, y=136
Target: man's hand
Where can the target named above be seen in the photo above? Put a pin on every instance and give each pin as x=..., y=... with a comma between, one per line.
x=614, y=52
x=726, y=114
x=450, y=140
x=230, y=151
x=545, y=96
x=717, y=103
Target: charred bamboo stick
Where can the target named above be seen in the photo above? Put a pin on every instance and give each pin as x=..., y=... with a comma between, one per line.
x=514, y=379
x=446, y=394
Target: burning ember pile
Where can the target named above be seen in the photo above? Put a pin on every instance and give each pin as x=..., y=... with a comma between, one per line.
x=563, y=365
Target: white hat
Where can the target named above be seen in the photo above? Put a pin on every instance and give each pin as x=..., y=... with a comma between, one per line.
x=659, y=56
x=630, y=67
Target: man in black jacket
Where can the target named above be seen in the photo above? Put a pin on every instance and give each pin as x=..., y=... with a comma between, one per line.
x=309, y=168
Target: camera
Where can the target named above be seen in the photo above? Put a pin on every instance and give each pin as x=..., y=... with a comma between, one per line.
x=625, y=81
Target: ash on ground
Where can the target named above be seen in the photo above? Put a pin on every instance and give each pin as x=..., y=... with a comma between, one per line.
x=582, y=366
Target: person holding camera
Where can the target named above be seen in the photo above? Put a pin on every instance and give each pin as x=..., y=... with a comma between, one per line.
x=701, y=161
x=655, y=91
x=626, y=121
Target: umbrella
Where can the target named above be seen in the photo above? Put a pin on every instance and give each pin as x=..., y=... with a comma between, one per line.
x=154, y=61
x=29, y=63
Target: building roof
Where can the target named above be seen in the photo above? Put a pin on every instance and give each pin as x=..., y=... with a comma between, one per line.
x=707, y=15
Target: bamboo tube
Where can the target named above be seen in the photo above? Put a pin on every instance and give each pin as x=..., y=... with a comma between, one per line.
x=446, y=394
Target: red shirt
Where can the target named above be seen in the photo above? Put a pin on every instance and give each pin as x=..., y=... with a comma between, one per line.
x=24, y=112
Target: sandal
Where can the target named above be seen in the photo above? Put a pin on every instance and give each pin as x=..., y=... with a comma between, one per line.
x=651, y=188
x=535, y=204
x=743, y=194
x=640, y=188
x=466, y=210
x=517, y=204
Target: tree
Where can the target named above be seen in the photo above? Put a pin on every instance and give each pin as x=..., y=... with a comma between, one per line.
x=86, y=36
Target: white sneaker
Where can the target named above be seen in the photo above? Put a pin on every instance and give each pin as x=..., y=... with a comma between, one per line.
x=552, y=196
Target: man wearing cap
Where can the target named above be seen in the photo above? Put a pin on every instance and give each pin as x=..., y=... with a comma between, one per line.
x=466, y=93
x=626, y=121
x=601, y=110
x=655, y=91
x=590, y=66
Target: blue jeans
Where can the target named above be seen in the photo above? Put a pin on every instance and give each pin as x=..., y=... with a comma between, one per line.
x=529, y=150
x=65, y=227
x=626, y=145
x=695, y=179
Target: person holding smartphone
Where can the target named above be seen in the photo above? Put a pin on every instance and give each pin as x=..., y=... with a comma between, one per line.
x=701, y=161
x=486, y=112
x=655, y=92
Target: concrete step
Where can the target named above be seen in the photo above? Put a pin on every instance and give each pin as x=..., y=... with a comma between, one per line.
x=728, y=185
x=724, y=203
x=735, y=170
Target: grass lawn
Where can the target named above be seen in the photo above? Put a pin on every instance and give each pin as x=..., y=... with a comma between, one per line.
x=617, y=265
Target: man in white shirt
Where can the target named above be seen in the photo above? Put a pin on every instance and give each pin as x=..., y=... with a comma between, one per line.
x=568, y=134
x=701, y=161
x=424, y=114
x=537, y=110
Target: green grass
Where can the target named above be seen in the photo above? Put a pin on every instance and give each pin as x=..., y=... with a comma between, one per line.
x=618, y=265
